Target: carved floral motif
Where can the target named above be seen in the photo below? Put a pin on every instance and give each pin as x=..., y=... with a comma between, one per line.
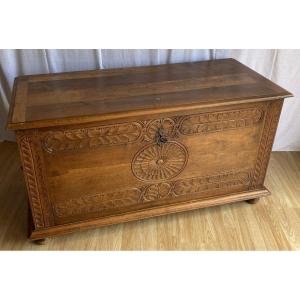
x=169, y=126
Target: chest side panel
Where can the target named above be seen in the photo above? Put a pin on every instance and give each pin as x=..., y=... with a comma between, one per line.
x=109, y=169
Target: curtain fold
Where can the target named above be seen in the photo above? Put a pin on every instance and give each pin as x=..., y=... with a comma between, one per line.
x=281, y=66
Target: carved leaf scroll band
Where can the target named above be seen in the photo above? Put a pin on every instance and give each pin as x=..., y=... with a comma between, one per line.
x=150, y=193
x=145, y=131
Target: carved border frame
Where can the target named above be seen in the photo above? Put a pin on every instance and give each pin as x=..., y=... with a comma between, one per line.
x=266, y=143
x=34, y=174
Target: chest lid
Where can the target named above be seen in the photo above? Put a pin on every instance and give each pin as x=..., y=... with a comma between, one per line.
x=89, y=96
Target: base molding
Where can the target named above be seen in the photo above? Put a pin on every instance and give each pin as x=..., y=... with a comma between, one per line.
x=147, y=213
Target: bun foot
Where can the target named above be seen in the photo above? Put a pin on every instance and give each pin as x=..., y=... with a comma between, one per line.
x=252, y=201
x=40, y=241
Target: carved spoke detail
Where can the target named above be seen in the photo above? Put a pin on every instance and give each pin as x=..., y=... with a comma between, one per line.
x=150, y=193
x=159, y=162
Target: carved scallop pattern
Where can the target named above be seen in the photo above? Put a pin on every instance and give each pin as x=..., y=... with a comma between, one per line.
x=168, y=125
x=159, y=162
x=157, y=191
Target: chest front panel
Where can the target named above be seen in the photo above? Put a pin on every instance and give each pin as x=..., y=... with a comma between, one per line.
x=108, y=169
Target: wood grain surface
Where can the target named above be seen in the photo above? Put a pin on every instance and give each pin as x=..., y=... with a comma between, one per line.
x=271, y=224
x=90, y=96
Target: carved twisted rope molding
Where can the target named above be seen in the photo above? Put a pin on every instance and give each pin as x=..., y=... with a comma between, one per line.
x=144, y=131
x=31, y=178
x=151, y=193
x=266, y=143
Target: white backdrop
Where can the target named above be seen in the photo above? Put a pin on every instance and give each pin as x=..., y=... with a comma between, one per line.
x=281, y=66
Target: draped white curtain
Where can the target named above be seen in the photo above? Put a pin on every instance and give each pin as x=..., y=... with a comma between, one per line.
x=281, y=66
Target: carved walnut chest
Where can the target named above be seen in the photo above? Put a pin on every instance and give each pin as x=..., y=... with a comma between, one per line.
x=109, y=146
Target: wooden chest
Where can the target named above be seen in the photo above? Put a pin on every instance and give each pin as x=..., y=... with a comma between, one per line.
x=109, y=146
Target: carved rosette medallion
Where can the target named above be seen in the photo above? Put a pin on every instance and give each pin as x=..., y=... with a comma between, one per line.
x=159, y=162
